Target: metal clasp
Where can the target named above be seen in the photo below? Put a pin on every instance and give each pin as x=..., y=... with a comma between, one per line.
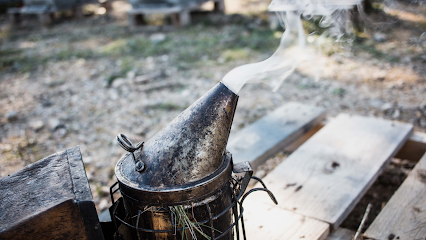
x=127, y=145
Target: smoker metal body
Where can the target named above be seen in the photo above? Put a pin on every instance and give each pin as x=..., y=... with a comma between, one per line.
x=182, y=182
x=219, y=214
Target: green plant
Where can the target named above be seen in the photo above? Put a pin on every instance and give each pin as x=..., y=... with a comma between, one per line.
x=339, y=92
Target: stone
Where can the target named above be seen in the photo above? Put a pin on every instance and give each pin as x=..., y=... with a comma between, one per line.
x=113, y=94
x=379, y=37
x=131, y=75
x=157, y=38
x=5, y=147
x=408, y=164
x=118, y=82
x=376, y=103
x=11, y=116
x=164, y=58
x=396, y=114
x=46, y=103
x=61, y=132
x=105, y=190
x=89, y=176
x=36, y=125
x=423, y=123
x=88, y=160
x=103, y=204
x=406, y=59
x=148, y=77
x=55, y=124
x=396, y=161
x=407, y=107
x=386, y=107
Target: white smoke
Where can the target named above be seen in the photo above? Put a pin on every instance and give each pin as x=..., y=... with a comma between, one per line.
x=292, y=49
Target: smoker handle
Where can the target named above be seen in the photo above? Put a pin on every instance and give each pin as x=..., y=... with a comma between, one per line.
x=265, y=189
x=245, y=167
x=127, y=145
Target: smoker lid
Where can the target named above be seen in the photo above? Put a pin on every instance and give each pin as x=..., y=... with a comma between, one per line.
x=190, y=148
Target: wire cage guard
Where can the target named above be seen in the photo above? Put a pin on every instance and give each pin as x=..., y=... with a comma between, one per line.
x=223, y=222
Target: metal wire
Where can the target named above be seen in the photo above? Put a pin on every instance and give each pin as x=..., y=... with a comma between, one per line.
x=127, y=145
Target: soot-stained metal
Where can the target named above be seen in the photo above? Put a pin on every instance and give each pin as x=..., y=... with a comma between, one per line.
x=190, y=148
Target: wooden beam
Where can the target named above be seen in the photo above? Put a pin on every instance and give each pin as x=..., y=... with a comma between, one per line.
x=326, y=177
x=272, y=133
x=404, y=216
x=49, y=199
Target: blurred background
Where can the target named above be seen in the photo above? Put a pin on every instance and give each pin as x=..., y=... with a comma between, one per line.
x=82, y=73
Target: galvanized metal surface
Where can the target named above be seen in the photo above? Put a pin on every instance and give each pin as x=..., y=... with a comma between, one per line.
x=189, y=149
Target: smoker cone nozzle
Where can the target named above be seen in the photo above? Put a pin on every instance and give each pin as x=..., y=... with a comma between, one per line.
x=190, y=148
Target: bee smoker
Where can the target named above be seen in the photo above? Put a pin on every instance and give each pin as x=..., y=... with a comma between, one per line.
x=182, y=183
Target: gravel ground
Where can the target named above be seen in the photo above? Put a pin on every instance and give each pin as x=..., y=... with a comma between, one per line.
x=81, y=82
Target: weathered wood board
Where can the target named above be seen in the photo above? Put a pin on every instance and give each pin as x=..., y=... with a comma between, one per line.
x=404, y=216
x=272, y=133
x=326, y=176
x=267, y=221
x=49, y=199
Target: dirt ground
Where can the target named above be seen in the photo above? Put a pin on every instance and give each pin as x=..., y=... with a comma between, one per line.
x=83, y=81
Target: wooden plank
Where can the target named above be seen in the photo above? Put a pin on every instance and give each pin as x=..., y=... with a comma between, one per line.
x=272, y=133
x=49, y=199
x=404, y=216
x=326, y=176
x=414, y=148
x=22, y=185
x=341, y=234
x=265, y=221
x=302, y=139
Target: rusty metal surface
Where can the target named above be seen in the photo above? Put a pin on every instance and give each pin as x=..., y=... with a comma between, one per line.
x=190, y=148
